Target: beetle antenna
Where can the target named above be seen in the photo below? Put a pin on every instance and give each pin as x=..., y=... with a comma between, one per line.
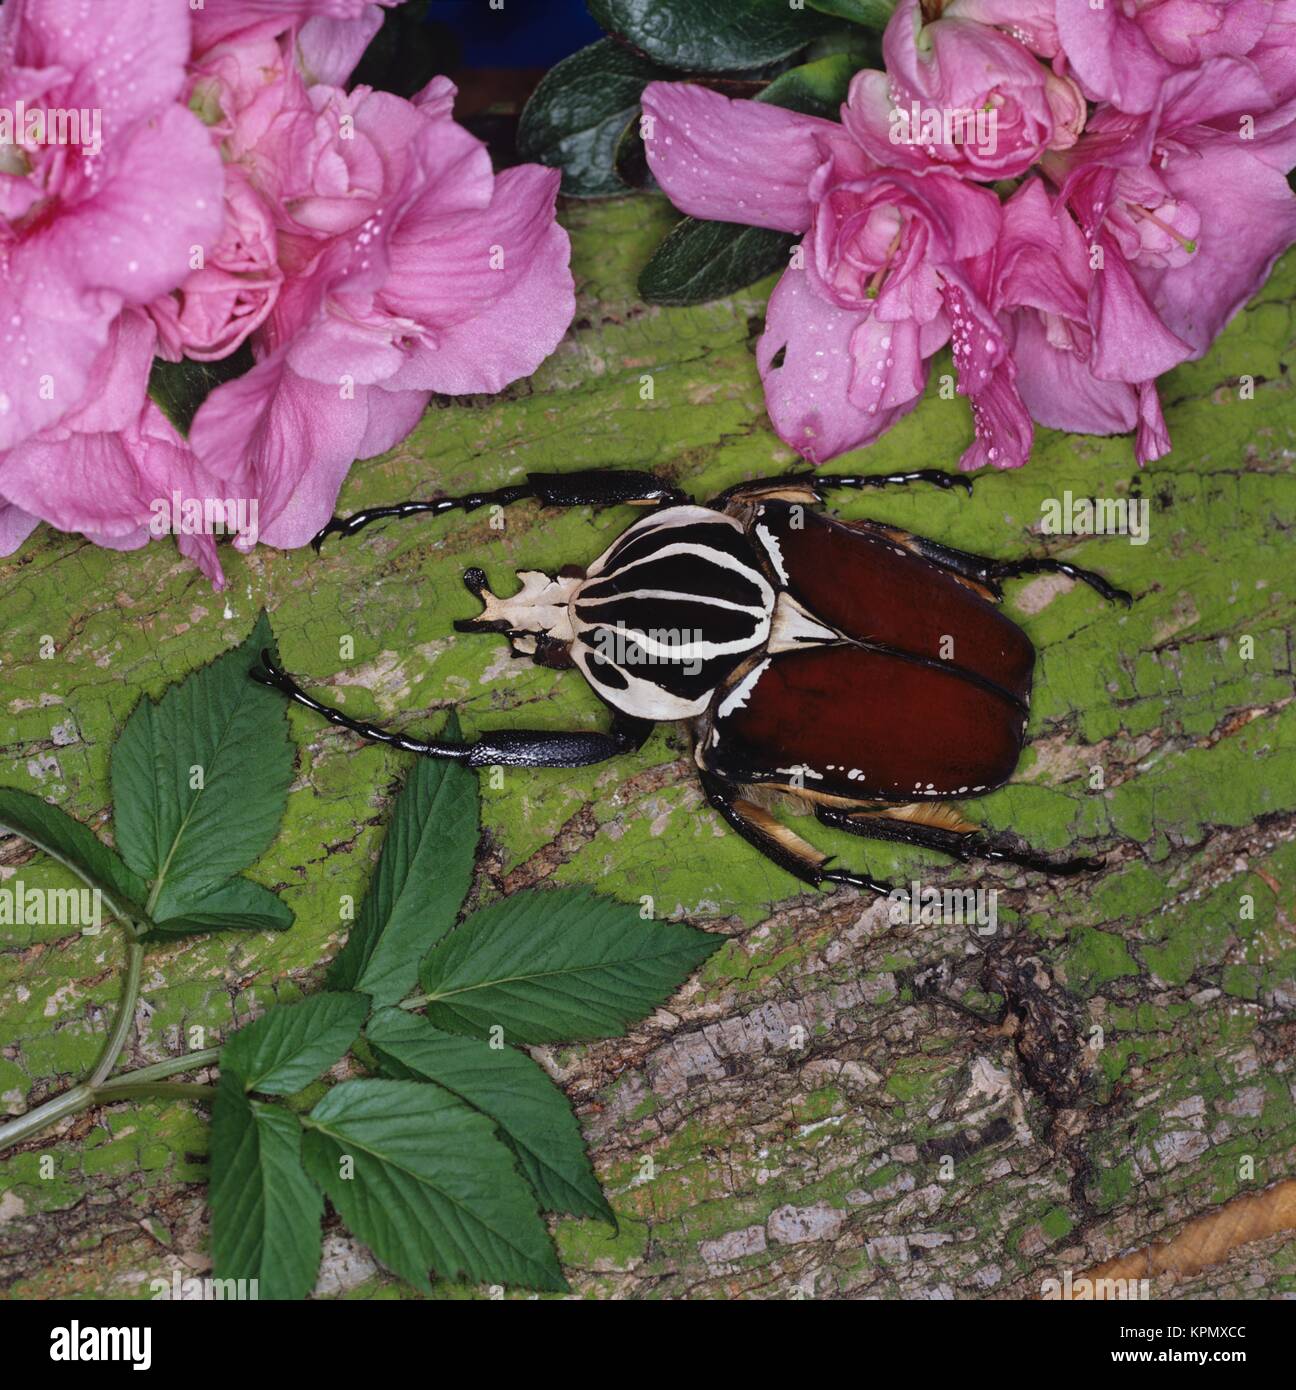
x=270, y=673
x=357, y=521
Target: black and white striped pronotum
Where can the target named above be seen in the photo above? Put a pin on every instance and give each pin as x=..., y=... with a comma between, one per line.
x=865, y=673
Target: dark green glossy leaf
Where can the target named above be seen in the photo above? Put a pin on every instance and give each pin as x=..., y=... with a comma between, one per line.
x=816, y=89
x=576, y=114
x=179, y=388
x=698, y=261
x=873, y=14
x=711, y=35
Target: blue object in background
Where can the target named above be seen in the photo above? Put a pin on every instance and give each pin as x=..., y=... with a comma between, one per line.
x=523, y=34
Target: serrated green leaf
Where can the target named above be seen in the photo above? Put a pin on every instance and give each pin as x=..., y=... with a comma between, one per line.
x=265, y=1210
x=576, y=114
x=291, y=1044
x=237, y=904
x=533, y=1115
x=557, y=966
x=422, y=878
x=699, y=261
x=77, y=848
x=711, y=35
x=430, y=1185
x=189, y=831
x=874, y=14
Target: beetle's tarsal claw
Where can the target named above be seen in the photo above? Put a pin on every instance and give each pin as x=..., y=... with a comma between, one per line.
x=325, y=531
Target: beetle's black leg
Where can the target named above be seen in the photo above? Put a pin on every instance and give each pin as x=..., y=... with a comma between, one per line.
x=963, y=845
x=810, y=487
x=507, y=748
x=987, y=572
x=597, y=487
x=995, y=570
x=777, y=843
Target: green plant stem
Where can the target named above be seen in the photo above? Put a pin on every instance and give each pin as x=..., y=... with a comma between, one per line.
x=125, y=1019
x=130, y=1086
x=69, y=1103
x=127, y=1089
x=173, y=1066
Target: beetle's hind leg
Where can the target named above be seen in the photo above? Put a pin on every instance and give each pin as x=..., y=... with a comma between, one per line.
x=777, y=842
x=597, y=487
x=964, y=845
x=988, y=573
x=506, y=748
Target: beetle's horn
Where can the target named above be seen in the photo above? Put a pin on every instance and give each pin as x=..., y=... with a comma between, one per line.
x=540, y=606
x=475, y=582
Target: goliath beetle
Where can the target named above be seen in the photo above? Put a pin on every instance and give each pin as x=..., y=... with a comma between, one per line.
x=859, y=668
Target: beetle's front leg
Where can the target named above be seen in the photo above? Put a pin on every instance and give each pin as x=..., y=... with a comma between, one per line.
x=597, y=487
x=810, y=487
x=506, y=748
x=987, y=572
x=777, y=843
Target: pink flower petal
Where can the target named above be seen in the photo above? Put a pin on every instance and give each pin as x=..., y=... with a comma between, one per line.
x=493, y=290
x=732, y=161
x=1248, y=219
x=1110, y=56
x=329, y=49
x=15, y=526
x=285, y=440
x=392, y=415
x=1061, y=392
x=160, y=197
x=1153, y=439
x=819, y=398
x=125, y=58
x=1131, y=340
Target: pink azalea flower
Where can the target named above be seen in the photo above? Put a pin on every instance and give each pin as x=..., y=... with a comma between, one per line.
x=89, y=229
x=961, y=95
x=1032, y=22
x=1190, y=206
x=217, y=306
x=1275, y=54
x=411, y=268
x=86, y=231
x=103, y=467
x=1041, y=294
x=887, y=274
x=1123, y=53
x=329, y=35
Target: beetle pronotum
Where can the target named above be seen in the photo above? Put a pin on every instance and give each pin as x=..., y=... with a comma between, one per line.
x=860, y=668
